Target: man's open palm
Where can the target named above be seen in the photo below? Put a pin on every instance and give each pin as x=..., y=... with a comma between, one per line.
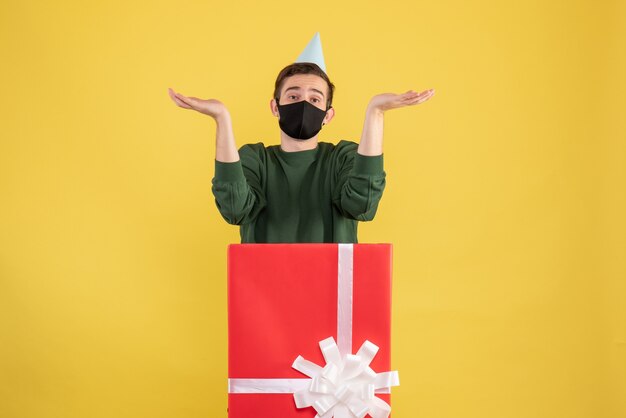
x=211, y=107
x=387, y=101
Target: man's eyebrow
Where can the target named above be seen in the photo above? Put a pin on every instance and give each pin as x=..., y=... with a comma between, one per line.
x=292, y=88
x=319, y=92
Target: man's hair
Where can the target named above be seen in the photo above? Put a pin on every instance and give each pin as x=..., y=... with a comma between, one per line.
x=303, y=68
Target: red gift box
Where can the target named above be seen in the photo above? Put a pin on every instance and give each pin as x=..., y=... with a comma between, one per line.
x=283, y=300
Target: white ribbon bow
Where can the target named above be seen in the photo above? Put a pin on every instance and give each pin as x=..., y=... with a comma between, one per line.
x=345, y=387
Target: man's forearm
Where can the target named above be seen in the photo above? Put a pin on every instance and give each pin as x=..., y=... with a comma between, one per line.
x=225, y=146
x=372, y=137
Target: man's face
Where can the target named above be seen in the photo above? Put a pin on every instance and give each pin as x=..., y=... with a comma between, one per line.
x=309, y=87
x=300, y=87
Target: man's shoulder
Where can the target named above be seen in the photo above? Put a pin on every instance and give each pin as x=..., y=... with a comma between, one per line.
x=253, y=155
x=257, y=149
x=257, y=146
x=341, y=146
x=341, y=151
x=341, y=143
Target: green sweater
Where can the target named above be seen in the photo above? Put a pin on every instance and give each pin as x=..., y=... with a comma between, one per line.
x=316, y=195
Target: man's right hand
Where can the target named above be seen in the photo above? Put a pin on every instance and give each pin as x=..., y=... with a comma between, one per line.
x=225, y=147
x=211, y=107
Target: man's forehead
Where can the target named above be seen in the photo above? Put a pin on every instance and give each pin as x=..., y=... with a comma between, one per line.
x=305, y=82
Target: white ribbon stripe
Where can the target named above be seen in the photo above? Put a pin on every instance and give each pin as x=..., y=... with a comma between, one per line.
x=345, y=284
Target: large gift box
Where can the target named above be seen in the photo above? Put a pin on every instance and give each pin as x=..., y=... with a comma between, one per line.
x=309, y=330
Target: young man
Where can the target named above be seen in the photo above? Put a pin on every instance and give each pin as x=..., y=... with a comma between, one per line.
x=302, y=190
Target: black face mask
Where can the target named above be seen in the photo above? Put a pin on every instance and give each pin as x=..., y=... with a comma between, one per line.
x=300, y=120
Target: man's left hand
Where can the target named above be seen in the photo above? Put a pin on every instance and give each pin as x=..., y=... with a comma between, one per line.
x=387, y=101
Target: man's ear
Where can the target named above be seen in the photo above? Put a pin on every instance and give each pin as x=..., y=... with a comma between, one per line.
x=330, y=114
x=274, y=107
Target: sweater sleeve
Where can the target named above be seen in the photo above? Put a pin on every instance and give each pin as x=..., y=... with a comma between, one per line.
x=360, y=181
x=238, y=186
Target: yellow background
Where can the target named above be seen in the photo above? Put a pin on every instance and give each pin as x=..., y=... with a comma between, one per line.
x=505, y=198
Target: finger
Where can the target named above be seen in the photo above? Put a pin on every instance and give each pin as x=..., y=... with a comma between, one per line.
x=410, y=94
x=170, y=92
x=185, y=99
x=404, y=100
x=426, y=93
x=422, y=93
x=173, y=94
x=181, y=103
x=191, y=101
x=180, y=96
x=421, y=99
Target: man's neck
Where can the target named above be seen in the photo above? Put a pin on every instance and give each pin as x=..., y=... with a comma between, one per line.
x=289, y=144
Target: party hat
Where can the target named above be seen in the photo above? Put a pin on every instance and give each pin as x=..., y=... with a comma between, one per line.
x=313, y=52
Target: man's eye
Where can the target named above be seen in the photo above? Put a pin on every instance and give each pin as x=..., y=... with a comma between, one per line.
x=292, y=96
x=316, y=100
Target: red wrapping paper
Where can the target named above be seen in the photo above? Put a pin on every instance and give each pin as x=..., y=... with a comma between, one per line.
x=282, y=300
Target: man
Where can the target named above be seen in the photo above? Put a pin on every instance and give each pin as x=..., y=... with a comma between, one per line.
x=302, y=190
